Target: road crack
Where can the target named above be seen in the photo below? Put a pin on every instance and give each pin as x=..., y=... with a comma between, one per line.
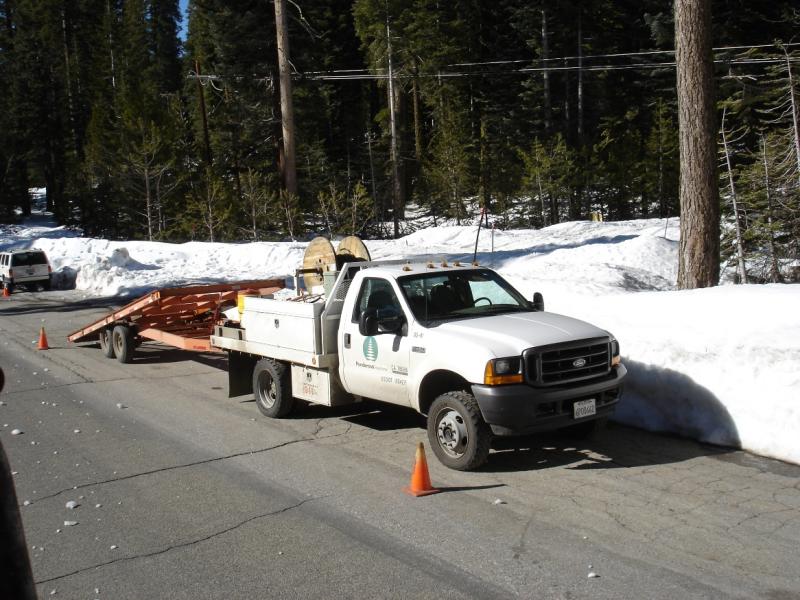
x=178, y=546
x=182, y=466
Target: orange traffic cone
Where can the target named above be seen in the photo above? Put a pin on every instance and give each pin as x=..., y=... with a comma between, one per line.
x=5, y=292
x=420, y=479
x=43, y=340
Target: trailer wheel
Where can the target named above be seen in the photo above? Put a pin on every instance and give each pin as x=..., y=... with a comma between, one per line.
x=272, y=388
x=123, y=343
x=459, y=436
x=105, y=343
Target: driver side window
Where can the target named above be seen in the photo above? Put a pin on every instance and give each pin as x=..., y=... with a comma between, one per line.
x=377, y=294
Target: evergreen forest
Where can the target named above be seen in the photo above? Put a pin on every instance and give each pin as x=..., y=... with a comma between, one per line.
x=534, y=111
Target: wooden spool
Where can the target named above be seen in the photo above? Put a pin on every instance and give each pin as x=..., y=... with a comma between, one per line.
x=319, y=255
x=351, y=249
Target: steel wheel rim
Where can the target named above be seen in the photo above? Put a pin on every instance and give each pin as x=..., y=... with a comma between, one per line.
x=451, y=432
x=267, y=390
x=118, y=342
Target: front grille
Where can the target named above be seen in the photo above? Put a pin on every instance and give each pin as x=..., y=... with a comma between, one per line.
x=565, y=363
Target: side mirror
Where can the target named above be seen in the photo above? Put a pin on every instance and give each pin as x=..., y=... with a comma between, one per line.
x=368, y=322
x=538, y=301
x=390, y=320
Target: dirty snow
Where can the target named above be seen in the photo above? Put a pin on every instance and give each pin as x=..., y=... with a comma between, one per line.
x=718, y=365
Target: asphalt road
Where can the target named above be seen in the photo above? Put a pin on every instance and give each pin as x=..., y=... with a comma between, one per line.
x=185, y=493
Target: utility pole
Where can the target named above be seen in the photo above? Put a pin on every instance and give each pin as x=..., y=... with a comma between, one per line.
x=396, y=192
x=288, y=168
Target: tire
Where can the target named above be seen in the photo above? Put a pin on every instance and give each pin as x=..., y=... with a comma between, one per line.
x=587, y=429
x=272, y=388
x=122, y=343
x=105, y=343
x=46, y=285
x=459, y=436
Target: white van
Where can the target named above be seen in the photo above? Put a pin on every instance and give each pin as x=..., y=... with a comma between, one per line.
x=25, y=267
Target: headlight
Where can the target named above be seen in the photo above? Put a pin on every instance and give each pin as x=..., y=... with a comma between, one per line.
x=615, y=360
x=501, y=371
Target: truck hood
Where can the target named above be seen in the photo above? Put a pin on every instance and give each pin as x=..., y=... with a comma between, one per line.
x=510, y=334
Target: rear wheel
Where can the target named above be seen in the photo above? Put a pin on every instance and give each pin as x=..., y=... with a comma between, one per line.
x=105, y=343
x=123, y=343
x=459, y=436
x=272, y=388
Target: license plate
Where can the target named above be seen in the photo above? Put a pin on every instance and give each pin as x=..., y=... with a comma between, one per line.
x=584, y=408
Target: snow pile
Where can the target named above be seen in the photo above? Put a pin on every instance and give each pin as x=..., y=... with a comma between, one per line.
x=718, y=365
x=106, y=268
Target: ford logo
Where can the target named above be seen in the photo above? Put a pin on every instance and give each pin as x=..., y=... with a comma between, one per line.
x=579, y=362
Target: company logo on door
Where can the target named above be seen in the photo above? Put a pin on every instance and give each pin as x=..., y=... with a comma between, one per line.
x=370, y=348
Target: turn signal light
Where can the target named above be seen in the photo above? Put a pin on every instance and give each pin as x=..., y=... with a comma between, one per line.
x=502, y=371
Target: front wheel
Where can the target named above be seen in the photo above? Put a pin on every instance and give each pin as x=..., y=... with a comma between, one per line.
x=459, y=436
x=272, y=387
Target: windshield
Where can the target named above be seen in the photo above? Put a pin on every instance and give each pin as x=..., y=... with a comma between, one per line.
x=460, y=294
x=26, y=259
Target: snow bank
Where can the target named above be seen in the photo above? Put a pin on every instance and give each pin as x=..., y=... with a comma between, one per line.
x=718, y=365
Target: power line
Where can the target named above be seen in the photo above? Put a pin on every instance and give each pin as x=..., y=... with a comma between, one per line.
x=380, y=74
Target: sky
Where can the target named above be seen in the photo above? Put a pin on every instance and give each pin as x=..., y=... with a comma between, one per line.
x=184, y=25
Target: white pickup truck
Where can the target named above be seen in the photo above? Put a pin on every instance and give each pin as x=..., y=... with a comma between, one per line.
x=456, y=343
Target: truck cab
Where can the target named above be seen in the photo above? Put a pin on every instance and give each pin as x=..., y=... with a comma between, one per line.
x=411, y=334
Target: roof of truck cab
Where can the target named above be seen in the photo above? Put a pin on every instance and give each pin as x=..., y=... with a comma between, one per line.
x=395, y=269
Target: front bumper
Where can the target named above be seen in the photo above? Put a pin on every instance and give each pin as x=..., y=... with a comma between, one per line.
x=519, y=409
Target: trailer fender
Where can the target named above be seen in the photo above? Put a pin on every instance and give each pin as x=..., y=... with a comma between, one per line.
x=240, y=373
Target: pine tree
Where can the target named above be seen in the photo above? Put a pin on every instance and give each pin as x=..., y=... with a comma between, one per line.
x=699, y=193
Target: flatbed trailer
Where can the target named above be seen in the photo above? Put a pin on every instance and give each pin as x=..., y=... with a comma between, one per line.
x=182, y=317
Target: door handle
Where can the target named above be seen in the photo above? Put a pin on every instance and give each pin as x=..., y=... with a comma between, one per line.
x=346, y=340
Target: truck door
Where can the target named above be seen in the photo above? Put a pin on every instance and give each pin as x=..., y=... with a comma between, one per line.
x=375, y=366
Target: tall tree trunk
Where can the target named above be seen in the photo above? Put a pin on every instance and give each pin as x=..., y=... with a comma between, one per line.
x=774, y=271
x=483, y=191
x=417, y=124
x=201, y=96
x=580, y=78
x=738, y=229
x=397, y=191
x=548, y=111
x=793, y=98
x=699, y=194
x=148, y=204
x=287, y=111
x=110, y=19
